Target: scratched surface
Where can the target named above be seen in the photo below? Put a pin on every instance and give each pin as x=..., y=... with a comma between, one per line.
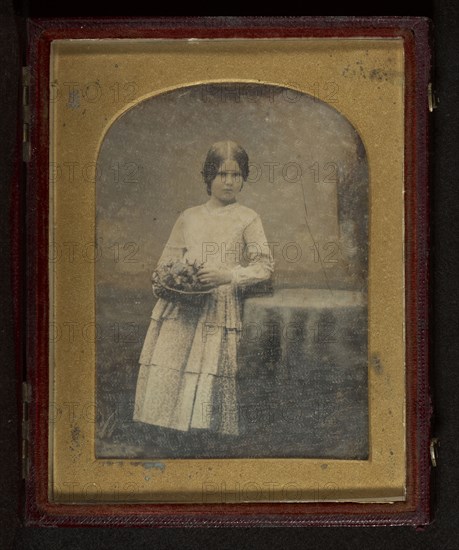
x=302, y=383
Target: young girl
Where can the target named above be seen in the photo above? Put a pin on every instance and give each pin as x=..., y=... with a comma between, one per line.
x=188, y=363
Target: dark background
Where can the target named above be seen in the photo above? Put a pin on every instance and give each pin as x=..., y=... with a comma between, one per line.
x=444, y=532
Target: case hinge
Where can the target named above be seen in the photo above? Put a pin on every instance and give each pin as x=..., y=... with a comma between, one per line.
x=434, y=444
x=26, y=114
x=25, y=429
x=432, y=98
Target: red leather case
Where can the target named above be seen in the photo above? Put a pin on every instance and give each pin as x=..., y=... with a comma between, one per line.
x=32, y=284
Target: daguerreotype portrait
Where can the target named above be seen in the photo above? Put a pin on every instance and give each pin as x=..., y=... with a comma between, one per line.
x=227, y=270
x=244, y=208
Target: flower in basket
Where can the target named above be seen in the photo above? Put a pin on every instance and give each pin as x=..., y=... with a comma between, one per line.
x=178, y=280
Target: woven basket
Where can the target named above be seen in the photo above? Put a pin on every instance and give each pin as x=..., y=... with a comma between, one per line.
x=196, y=297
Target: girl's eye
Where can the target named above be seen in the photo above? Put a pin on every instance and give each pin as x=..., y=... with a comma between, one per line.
x=234, y=175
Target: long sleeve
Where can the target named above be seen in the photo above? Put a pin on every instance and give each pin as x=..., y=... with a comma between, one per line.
x=257, y=255
x=175, y=246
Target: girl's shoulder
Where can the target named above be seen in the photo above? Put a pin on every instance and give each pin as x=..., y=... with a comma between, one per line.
x=245, y=215
x=246, y=212
x=193, y=211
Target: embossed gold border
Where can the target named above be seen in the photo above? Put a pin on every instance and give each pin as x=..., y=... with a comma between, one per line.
x=377, y=112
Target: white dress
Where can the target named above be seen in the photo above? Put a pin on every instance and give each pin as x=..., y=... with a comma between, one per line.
x=188, y=363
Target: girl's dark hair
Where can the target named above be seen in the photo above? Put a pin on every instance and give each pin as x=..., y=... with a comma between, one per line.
x=218, y=154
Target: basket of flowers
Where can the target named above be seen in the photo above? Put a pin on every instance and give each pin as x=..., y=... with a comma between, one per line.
x=178, y=281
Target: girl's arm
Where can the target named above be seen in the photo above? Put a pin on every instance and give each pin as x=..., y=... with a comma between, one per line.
x=175, y=246
x=258, y=255
x=174, y=250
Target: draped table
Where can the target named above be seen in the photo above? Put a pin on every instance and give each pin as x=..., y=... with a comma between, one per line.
x=303, y=371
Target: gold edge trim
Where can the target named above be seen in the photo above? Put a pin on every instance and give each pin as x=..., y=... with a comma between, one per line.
x=164, y=90
x=51, y=289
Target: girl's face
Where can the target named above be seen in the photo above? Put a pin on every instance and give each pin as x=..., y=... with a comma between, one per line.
x=227, y=182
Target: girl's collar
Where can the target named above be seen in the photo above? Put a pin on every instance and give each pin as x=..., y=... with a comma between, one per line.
x=217, y=209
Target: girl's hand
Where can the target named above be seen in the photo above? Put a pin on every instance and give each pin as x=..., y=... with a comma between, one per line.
x=213, y=276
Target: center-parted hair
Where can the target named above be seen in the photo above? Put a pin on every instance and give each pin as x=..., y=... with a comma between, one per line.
x=219, y=153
